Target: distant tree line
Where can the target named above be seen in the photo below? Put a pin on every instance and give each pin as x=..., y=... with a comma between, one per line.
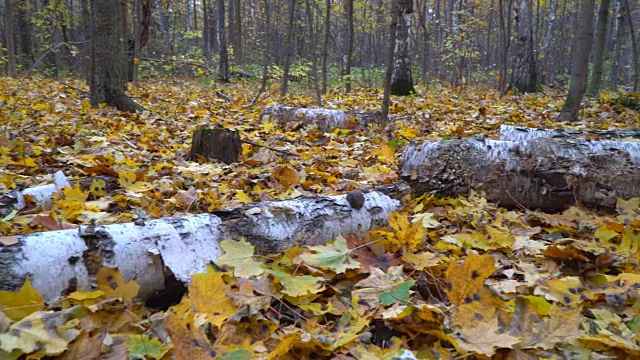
x=517, y=45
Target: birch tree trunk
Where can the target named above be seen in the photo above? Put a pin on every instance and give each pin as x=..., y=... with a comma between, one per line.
x=314, y=56
x=350, y=34
x=401, y=80
x=580, y=66
x=525, y=75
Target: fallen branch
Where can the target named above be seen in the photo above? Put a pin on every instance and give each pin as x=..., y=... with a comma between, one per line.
x=167, y=248
x=520, y=133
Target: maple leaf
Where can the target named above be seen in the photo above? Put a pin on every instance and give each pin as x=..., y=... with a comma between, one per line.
x=208, y=295
x=189, y=341
x=485, y=338
x=239, y=255
x=111, y=283
x=17, y=305
x=405, y=234
x=142, y=346
x=423, y=260
x=334, y=256
x=298, y=285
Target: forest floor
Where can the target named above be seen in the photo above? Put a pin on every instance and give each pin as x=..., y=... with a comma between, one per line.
x=575, y=274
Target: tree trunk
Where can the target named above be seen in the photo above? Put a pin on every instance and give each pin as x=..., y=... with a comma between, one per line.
x=109, y=57
x=545, y=173
x=223, y=51
x=525, y=75
x=288, y=48
x=618, y=45
x=350, y=34
x=206, y=43
x=634, y=48
x=25, y=31
x=136, y=40
x=600, y=46
x=326, y=120
x=553, y=8
x=314, y=55
x=396, y=15
x=215, y=143
x=267, y=56
x=325, y=44
x=580, y=66
x=150, y=253
x=10, y=39
x=401, y=80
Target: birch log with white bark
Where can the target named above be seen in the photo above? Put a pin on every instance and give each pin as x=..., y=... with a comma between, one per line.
x=545, y=173
x=61, y=261
x=520, y=133
x=324, y=118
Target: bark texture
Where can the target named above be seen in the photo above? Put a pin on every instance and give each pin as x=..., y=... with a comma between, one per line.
x=109, y=57
x=550, y=174
x=525, y=74
x=580, y=65
x=401, y=80
x=324, y=118
x=520, y=133
x=9, y=38
x=598, y=56
x=159, y=251
x=223, y=51
x=216, y=143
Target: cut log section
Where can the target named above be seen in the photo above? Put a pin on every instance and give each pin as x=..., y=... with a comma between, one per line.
x=216, y=143
x=520, y=133
x=324, y=118
x=158, y=251
x=545, y=173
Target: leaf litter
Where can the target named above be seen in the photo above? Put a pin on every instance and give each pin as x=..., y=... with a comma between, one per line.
x=447, y=278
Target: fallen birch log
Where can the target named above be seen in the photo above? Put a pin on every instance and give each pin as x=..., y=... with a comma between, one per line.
x=520, y=133
x=324, y=118
x=545, y=173
x=58, y=262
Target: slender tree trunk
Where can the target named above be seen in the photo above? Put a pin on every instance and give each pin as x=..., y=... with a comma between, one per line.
x=288, y=48
x=314, y=55
x=206, y=43
x=598, y=59
x=580, y=66
x=350, y=34
x=325, y=44
x=267, y=53
x=195, y=16
x=401, y=79
x=25, y=31
x=553, y=8
x=136, y=40
x=396, y=16
x=223, y=52
x=505, y=44
x=525, y=76
x=8, y=33
x=109, y=56
x=634, y=47
x=617, y=45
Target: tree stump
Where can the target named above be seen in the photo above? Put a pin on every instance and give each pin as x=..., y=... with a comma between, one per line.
x=216, y=143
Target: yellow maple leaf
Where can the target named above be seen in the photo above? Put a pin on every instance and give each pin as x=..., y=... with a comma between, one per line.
x=17, y=305
x=111, y=283
x=208, y=296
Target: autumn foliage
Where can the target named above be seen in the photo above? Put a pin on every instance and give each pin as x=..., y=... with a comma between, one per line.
x=447, y=278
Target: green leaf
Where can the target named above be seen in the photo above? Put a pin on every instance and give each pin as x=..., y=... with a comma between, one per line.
x=334, y=256
x=299, y=285
x=239, y=255
x=399, y=294
x=143, y=346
